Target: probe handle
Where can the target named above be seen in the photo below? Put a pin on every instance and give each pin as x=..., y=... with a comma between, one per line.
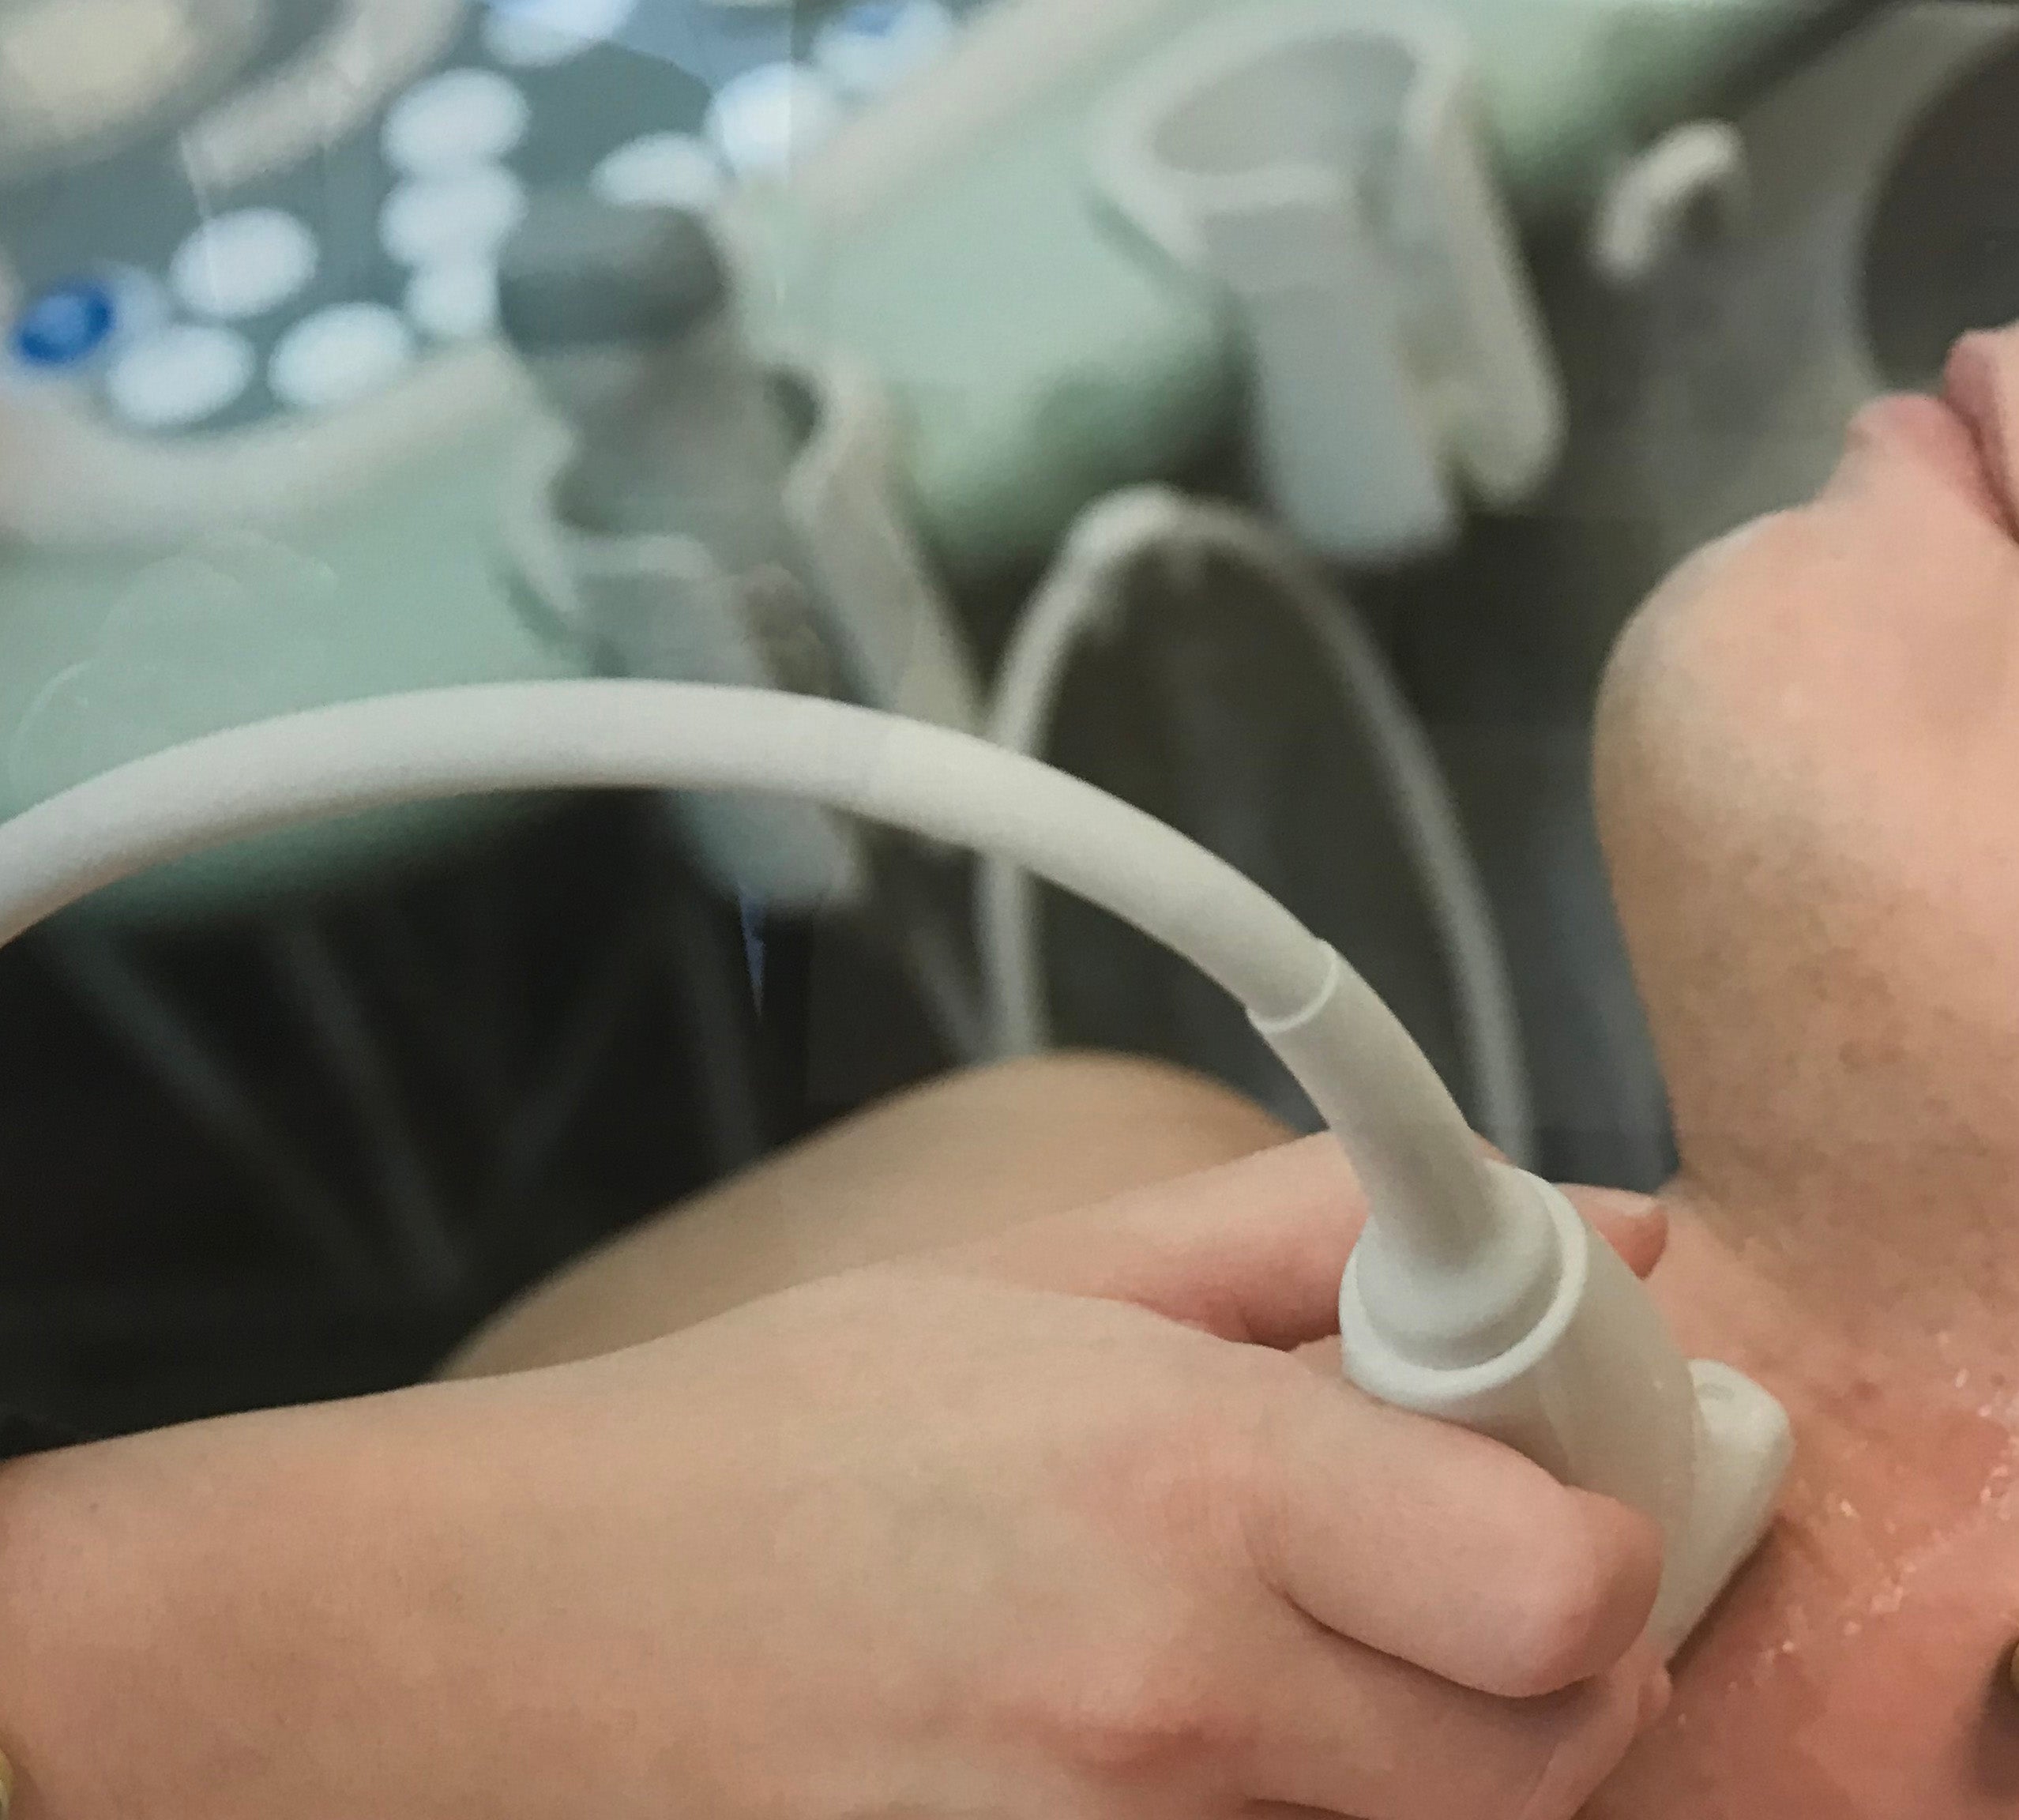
x=1598, y=1395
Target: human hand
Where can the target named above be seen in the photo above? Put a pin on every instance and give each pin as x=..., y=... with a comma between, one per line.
x=1052, y=1528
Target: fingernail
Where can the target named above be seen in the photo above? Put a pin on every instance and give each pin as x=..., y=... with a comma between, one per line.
x=1656, y=1693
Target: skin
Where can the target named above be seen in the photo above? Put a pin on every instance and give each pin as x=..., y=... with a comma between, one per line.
x=961, y=1159
x=1057, y=1525
x=1807, y=756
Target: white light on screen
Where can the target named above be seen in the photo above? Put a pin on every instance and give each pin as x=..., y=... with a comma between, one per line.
x=769, y=118
x=535, y=34
x=664, y=170
x=243, y=264
x=459, y=118
x=179, y=376
x=339, y=356
x=464, y=214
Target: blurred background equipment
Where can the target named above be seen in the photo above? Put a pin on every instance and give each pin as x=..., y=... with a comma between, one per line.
x=1268, y=408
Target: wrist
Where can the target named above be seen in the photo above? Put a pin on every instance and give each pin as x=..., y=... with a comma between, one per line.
x=189, y=1620
x=48, y=1517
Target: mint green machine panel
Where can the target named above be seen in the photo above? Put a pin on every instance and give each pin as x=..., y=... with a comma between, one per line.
x=114, y=654
x=1040, y=364
x=1573, y=86
x=1043, y=354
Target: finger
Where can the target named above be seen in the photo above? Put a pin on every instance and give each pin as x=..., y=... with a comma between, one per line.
x=1343, y=1730
x=1320, y=1358
x=1442, y=1548
x=1252, y=1251
x=1632, y=1224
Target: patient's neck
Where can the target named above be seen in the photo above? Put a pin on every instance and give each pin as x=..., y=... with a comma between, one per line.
x=1899, y=1373
x=1911, y=1268
x=1855, y=1672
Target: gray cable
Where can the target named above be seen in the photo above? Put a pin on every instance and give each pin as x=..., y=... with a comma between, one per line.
x=1084, y=591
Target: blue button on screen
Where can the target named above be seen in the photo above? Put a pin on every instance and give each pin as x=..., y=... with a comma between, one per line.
x=65, y=326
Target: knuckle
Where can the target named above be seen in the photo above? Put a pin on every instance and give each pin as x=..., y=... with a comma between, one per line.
x=1148, y=1695
x=1149, y=1711
x=1184, y=1479
x=1584, y=1595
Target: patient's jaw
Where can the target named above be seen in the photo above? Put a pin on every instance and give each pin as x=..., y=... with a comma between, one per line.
x=1809, y=780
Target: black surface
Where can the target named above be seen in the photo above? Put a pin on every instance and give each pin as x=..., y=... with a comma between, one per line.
x=1942, y=255
x=22, y=1434
x=483, y=1071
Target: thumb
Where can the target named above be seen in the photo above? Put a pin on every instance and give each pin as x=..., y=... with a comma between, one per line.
x=1252, y=1251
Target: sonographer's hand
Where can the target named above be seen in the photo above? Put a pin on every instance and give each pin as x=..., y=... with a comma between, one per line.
x=1057, y=1528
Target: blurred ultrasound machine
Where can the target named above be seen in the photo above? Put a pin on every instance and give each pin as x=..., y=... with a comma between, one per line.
x=1064, y=369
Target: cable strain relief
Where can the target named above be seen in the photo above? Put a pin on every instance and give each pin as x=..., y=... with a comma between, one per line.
x=1457, y=1316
